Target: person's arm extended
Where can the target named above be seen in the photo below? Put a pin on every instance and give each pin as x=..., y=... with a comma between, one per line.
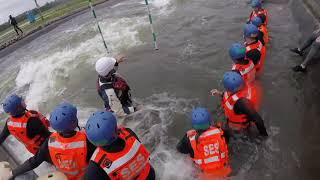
x=244, y=106
x=184, y=146
x=133, y=134
x=94, y=171
x=33, y=162
x=90, y=150
x=4, y=134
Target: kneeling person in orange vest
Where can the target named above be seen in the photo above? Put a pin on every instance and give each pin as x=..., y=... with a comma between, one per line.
x=206, y=145
x=255, y=50
x=240, y=102
x=27, y=126
x=243, y=66
x=119, y=154
x=263, y=35
x=67, y=149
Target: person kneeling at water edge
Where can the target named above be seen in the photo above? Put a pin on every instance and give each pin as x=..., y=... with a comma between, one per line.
x=67, y=149
x=113, y=89
x=243, y=66
x=240, y=102
x=27, y=126
x=120, y=154
x=206, y=145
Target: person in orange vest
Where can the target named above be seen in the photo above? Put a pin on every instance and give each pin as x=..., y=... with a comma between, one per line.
x=258, y=11
x=240, y=103
x=255, y=50
x=119, y=153
x=207, y=145
x=242, y=65
x=67, y=149
x=27, y=126
x=263, y=35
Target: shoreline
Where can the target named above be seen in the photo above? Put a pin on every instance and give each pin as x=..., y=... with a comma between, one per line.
x=32, y=35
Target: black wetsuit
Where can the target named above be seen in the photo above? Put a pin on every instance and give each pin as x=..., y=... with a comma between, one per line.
x=184, y=146
x=94, y=171
x=260, y=37
x=254, y=54
x=34, y=127
x=14, y=23
x=44, y=155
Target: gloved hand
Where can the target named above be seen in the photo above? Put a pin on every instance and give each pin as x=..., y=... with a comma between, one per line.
x=5, y=171
x=6, y=175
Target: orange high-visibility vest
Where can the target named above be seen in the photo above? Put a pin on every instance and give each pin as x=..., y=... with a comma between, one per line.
x=69, y=155
x=260, y=12
x=131, y=163
x=247, y=71
x=18, y=128
x=262, y=49
x=210, y=151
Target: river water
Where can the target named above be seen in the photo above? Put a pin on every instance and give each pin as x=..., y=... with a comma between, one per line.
x=194, y=37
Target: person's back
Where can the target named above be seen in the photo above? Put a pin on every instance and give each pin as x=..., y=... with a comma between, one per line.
x=206, y=145
x=258, y=11
x=27, y=126
x=119, y=153
x=243, y=66
x=13, y=20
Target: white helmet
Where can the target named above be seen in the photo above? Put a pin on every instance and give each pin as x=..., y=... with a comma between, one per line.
x=105, y=65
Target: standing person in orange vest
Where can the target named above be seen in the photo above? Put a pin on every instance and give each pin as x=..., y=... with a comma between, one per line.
x=263, y=35
x=27, y=126
x=120, y=154
x=258, y=11
x=67, y=149
x=242, y=65
x=240, y=103
x=255, y=50
x=206, y=145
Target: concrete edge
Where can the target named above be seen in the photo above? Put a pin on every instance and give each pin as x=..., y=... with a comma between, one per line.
x=314, y=8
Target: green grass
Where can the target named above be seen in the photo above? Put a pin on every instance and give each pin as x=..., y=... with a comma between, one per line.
x=49, y=15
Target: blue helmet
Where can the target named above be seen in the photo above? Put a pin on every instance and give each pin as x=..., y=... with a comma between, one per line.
x=64, y=118
x=256, y=4
x=237, y=51
x=101, y=128
x=201, y=119
x=257, y=21
x=14, y=105
x=250, y=30
x=232, y=81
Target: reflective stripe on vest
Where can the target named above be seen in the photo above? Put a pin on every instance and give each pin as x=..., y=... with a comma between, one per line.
x=207, y=133
x=236, y=98
x=259, y=46
x=121, y=161
x=17, y=124
x=246, y=70
x=72, y=145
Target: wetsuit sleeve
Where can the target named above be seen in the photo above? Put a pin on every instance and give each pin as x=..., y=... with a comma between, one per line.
x=254, y=55
x=4, y=134
x=184, y=146
x=94, y=171
x=36, y=127
x=35, y=161
x=226, y=134
x=260, y=37
x=91, y=149
x=133, y=134
x=105, y=99
x=244, y=106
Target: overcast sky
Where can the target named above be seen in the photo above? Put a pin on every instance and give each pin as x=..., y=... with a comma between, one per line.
x=16, y=7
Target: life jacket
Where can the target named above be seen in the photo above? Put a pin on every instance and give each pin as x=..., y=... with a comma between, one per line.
x=18, y=128
x=130, y=163
x=260, y=12
x=263, y=29
x=262, y=49
x=239, y=121
x=210, y=150
x=247, y=71
x=69, y=155
x=120, y=87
